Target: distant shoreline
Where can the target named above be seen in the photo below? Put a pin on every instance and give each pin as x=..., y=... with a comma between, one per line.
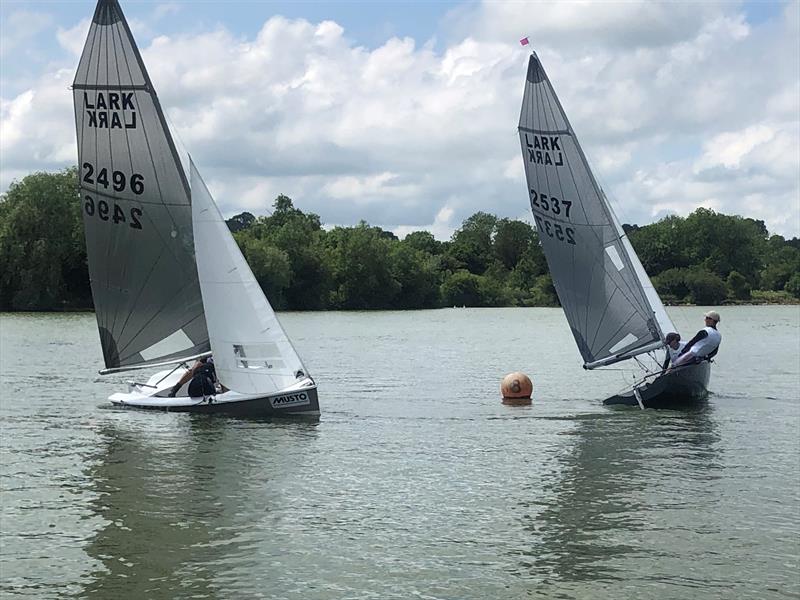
x=703, y=259
x=793, y=302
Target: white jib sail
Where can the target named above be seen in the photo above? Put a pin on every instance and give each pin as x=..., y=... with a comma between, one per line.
x=252, y=354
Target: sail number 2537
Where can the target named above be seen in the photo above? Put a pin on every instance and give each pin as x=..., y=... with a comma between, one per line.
x=555, y=230
x=550, y=204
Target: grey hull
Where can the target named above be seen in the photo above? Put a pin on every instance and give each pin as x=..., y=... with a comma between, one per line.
x=683, y=388
x=252, y=407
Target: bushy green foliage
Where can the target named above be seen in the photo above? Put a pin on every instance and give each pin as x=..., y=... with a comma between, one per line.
x=271, y=267
x=705, y=287
x=793, y=285
x=705, y=258
x=772, y=297
x=462, y=288
x=738, y=286
x=417, y=273
x=42, y=250
x=360, y=264
x=717, y=243
x=672, y=285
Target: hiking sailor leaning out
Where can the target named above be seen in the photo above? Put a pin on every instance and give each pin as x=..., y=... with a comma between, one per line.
x=704, y=345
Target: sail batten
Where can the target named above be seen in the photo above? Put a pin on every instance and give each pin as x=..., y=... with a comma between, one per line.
x=609, y=301
x=136, y=205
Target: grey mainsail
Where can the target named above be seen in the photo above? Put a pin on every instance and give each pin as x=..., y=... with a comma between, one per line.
x=136, y=205
x=612, y=308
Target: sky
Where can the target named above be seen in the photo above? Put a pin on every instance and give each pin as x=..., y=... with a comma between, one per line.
x=404, y=114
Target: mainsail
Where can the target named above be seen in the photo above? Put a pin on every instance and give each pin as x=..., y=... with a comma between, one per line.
x=136, y=206
x=612, y=308
x=252, y=354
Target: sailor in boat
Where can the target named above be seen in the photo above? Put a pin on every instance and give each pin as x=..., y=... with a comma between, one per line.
x=704, y=345
x=674, y=348
x=202, y=378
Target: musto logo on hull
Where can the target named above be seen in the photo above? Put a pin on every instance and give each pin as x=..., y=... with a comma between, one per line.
x=297, y=399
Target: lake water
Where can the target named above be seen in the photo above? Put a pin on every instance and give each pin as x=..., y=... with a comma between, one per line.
x=416, y=482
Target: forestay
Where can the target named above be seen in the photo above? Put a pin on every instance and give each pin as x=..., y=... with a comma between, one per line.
x=611, y=306
x=136, y=205
x=252, y=354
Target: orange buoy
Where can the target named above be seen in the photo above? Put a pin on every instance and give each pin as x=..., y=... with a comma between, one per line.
x=516, y=388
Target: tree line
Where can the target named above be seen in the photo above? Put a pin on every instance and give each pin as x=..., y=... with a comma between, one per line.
x=705, y=258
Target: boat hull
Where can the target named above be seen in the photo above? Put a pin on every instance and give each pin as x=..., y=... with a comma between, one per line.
x=300, y=399
x=685, y=387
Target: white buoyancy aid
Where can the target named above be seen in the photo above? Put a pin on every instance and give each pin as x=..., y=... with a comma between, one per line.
x=708, y=344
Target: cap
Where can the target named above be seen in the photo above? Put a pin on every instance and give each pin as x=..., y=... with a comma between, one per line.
x=713, y=315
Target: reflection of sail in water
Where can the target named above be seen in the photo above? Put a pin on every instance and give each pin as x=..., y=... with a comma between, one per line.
x=175, y=509
x=156, y=499
x=602, y=511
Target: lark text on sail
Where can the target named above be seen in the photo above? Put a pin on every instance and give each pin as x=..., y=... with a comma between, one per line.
x=110, y=110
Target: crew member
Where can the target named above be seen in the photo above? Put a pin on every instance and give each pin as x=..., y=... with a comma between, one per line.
x=202, y=377
x=674, y=347
x=703, y=345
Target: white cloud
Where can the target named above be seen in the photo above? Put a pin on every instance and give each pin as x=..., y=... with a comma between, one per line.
x=378, y=187
x=442, y=226
x=18, y=29
x=728, y=149
x=677, y=105
x=72, y=39
x=579, y=24
x=167, y=9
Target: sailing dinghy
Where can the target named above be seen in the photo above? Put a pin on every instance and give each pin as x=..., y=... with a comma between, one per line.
x=613, y=310
x=168, y=281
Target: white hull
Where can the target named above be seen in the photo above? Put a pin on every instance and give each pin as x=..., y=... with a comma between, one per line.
x=300, y=398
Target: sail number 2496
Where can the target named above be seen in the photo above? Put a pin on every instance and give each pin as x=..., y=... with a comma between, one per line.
x=119, y=181
x=561, y=208
x=104, y=212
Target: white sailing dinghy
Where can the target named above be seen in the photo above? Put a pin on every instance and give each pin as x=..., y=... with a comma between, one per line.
x=612, y=307
x=169, y=283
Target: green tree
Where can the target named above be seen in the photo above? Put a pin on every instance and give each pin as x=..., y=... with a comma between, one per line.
x=462, y=288
x=543, y=292
x=738, y=286
x=471, y=245
x=301, y=237
x=417, y=274
x=424, y=241
x=722, y=243
x=361, y=268
x=793, y=285
x=512, y=240
x=662, y=245
x=705, y=287
x=781, y=262
x=42, y=247
x=530, y=265
x=241, y=221
x=672, y=285
x=271, y=268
